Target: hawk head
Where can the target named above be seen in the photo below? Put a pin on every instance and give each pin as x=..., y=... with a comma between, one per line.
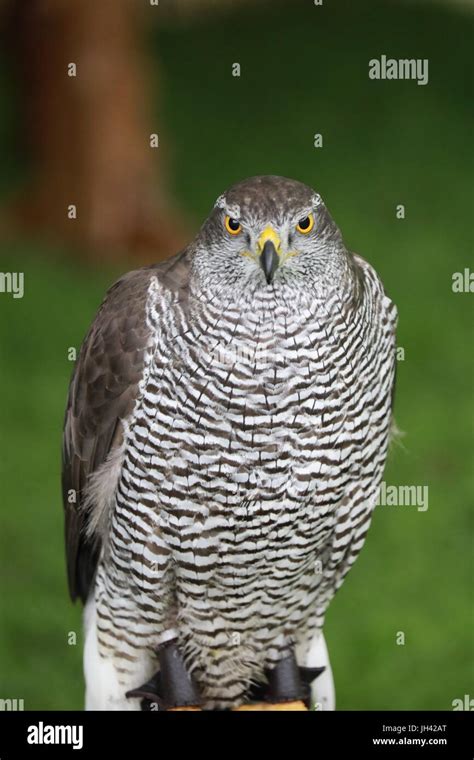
x=268, y=232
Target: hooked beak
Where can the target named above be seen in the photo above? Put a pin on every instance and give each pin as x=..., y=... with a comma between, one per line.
x=269, y=260
x=269, y=246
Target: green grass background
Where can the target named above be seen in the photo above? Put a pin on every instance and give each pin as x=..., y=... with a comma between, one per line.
x=304, y=70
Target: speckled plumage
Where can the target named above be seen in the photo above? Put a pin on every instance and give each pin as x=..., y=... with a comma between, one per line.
x=227, y=438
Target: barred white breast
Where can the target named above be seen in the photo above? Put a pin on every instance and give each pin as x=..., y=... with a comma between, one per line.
x=238, y=478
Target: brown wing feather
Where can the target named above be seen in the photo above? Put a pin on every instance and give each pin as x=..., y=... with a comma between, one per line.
x=103, y=390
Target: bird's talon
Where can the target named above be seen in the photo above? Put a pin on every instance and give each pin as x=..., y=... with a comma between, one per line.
x=171, y=688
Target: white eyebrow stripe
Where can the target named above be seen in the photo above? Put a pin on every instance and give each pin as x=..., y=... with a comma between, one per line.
x=220, y=202
x=231, y=210
x=302, y=214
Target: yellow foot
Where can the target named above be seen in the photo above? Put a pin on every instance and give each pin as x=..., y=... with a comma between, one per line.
x=274, y=706
x=189, y=707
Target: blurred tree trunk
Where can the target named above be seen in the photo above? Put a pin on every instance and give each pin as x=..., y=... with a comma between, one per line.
x=90, y=135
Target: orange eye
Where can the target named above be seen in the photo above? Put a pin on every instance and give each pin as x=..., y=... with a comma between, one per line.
x=232, y=226
x=305, y=225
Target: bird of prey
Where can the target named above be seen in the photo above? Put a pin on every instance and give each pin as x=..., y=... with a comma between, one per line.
x=225, y=436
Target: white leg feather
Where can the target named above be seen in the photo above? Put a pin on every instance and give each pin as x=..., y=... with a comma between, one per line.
x=104, y=691
x=322, y=688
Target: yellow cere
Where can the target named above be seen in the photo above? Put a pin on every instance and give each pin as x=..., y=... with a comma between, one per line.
x=269, y=234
